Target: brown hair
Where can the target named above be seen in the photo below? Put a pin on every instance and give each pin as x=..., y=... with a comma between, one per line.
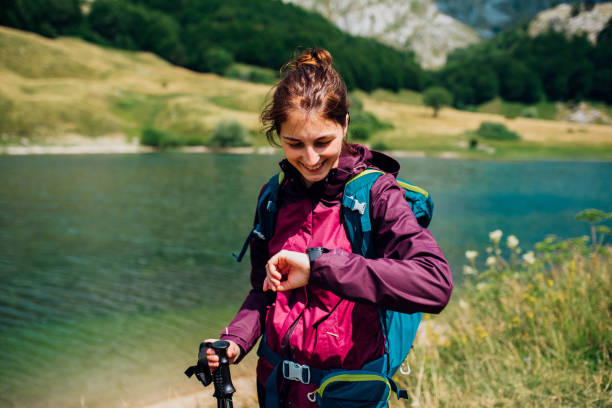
x=309, y=83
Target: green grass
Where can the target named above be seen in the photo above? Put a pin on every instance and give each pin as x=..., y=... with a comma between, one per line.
x=541, y=110
x=405, y=96
x=519, y=334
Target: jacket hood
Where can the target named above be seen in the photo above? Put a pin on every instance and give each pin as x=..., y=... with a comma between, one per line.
x=352, y=162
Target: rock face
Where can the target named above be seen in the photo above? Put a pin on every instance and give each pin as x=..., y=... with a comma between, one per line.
x=489, y=17
x=416, y=25
x=589, y=22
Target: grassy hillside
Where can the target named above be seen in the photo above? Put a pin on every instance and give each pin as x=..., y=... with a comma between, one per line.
x=53, y=88
x=52, y=91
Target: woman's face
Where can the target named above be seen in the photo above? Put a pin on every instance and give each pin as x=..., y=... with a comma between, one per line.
x=312, y=144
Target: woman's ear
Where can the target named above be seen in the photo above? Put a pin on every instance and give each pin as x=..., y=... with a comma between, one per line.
x=346, y=123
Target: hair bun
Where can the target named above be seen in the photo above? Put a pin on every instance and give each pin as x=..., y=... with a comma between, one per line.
x=316, y=57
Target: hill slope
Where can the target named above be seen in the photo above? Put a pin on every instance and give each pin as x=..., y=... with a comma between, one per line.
x=67, y=91
x=53, y=88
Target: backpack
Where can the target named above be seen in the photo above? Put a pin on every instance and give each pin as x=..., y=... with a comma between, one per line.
x=370, y=386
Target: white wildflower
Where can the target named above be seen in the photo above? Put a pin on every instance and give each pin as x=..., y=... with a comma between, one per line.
x=529, y=257
x=481, y=286
x=463, y=304
x=512, y=241
x=468, y=270
x=495, y=236
x=471, y=255
x=491, y=261
x=498, y=251
x=489, y=250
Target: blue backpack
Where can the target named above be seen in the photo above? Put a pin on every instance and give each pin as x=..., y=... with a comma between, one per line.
x=372, y=385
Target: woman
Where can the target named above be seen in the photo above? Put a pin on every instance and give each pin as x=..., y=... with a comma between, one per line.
x=317, y=302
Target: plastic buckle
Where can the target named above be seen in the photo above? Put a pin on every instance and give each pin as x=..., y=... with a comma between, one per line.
x=296, y=372
x=357, y=206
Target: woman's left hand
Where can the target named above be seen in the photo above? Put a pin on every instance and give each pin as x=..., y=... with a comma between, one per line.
x=295, y=265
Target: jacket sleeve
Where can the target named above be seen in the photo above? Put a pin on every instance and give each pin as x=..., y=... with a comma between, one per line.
x=248, y=324
x=410, y=273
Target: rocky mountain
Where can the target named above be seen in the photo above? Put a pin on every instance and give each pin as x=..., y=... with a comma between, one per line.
x=560, y=18
x=489, y=17
x=416, y=25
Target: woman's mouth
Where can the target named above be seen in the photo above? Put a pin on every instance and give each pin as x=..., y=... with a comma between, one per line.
x=313, y=169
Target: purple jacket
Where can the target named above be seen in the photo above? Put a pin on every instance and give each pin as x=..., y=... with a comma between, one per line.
x=410, y=273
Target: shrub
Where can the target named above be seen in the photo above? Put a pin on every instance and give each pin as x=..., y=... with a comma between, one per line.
x=252, y=74
x=364, y=124
x=379, y=145
x=217, y=60
x=159, y=138
x=360, y=132
x=229, y=134
x=496, y=131
x=529, y=112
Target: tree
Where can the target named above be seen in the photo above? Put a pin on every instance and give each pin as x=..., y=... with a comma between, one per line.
x=47, y=17
x=436, y=97
x=217, y=60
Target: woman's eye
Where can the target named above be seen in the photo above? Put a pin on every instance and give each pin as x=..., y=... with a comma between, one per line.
x=295, y=145
x=322, y=143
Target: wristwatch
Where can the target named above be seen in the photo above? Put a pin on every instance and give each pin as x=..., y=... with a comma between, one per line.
x=314, y=253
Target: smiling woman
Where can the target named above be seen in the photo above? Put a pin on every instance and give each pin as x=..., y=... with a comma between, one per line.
x=319, y=287
x=309, y=112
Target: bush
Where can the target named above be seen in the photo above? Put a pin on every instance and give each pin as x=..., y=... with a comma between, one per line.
x=217, y=60
x=159, y=138
x=229, y=134
x=379, y=145
x=364, y=124
x=252, y=74
x=496, y=131
x=360, y=132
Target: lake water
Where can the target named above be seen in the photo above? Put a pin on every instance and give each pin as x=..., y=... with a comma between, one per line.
x=114, y=267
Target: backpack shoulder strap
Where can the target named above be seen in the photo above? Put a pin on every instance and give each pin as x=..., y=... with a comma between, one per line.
x=420, y=202
x=356, y=206
x=267, y=207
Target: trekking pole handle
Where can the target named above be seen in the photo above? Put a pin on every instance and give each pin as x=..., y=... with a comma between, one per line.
x=221, y=376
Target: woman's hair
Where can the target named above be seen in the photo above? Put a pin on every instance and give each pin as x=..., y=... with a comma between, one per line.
x=309, y=83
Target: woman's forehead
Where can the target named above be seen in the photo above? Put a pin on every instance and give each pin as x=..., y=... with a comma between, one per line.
x=308, y=124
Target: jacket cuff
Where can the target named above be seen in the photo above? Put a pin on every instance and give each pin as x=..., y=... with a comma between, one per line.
x=320, y=263
x=314, y=254
x=239, y=341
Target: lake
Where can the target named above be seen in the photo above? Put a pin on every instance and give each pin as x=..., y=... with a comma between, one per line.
x=114, y=267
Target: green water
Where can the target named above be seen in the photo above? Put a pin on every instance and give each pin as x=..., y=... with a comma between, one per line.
x=114, y=267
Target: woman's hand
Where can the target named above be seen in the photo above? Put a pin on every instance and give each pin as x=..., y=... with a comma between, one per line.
x=233, y=351
x=294, y=265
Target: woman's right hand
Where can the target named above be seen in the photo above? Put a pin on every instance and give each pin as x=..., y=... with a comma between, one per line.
x=233, y=351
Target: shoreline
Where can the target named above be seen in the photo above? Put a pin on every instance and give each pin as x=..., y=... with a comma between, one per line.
x=116, y=145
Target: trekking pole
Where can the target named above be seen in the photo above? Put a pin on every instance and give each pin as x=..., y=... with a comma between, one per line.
x=220, y=377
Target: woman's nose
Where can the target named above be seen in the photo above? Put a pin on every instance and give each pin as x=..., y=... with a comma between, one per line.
x=312, y=157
